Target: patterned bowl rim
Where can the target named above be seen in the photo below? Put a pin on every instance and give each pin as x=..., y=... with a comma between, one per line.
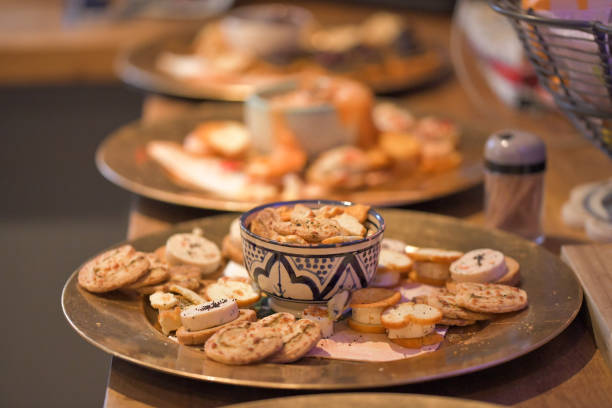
x=371, y=211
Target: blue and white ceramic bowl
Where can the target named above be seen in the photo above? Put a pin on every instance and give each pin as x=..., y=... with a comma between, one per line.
x=310, y=274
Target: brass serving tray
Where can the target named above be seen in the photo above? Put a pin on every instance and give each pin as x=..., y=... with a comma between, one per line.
x=138, y=67
x=122, y=159
x=365, y=400
x=119, y=325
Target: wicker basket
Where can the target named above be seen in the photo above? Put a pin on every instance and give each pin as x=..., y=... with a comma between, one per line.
x=572, y=59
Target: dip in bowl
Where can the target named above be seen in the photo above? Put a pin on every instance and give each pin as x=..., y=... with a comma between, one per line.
x=311, y=273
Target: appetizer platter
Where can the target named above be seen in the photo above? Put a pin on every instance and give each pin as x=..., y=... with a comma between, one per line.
x=435, y=298
x=231, y=57
x=222, y=158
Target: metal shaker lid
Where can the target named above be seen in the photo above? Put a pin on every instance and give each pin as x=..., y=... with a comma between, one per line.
x=515, y=151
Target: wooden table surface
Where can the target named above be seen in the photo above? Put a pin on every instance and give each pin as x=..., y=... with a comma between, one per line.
x=569, y=371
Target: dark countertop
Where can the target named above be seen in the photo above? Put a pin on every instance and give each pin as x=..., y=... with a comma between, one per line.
x=55, y=210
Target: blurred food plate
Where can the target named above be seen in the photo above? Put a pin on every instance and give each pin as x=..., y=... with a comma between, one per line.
x=256, y=46
x=125, y=159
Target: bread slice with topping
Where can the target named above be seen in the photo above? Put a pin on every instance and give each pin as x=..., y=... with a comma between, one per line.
x=480, y=266
x=402, y=314
x=240, y=289
x=367, y=305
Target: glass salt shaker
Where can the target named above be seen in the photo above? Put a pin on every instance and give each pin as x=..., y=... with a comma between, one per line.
x=515, y=165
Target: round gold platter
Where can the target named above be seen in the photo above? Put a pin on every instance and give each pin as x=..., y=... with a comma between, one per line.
x=119, y=324
x=138, y=67
x=365, y=400
x=123, y=160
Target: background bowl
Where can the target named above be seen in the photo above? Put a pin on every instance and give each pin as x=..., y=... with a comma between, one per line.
x=310, y=273
x=266, y=29
x=322, y=116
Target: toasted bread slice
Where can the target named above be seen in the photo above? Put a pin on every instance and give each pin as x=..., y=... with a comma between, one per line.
x=364, y=327
x=395, y=261
x=480, y=266
x=358, y=211
x=239, y=289
x=374, y=297
x=385, y=279
x=435, y=255
x=432, y=271
x=430, y=339
x=400, y=315
x=427, y=281
x=513, y=276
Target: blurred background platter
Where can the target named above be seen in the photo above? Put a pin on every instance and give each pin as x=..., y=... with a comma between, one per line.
x=123, y=160
x=365, y=400
x=139, y=67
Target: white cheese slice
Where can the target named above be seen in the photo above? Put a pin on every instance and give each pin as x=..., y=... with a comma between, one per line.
x=479, y=265
x=209, y=314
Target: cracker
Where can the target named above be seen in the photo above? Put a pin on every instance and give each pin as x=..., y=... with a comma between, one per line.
x=489, y=297
x=278, y=322
x=446, y=303
x=304, y=336
x=157, y=273
x=243, y=343
x=113, y=269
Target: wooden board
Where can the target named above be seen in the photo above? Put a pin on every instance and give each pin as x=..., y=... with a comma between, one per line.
x=592, y=265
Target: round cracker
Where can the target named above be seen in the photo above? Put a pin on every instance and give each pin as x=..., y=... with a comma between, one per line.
x=158, y=272
x=113, y=269
x=243, y=343
x=305, y=335
x=279, y=322
x=490, y=297
x=446, y=303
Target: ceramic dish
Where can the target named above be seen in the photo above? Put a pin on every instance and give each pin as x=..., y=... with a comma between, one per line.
x=350, y=265
x=123, y=326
